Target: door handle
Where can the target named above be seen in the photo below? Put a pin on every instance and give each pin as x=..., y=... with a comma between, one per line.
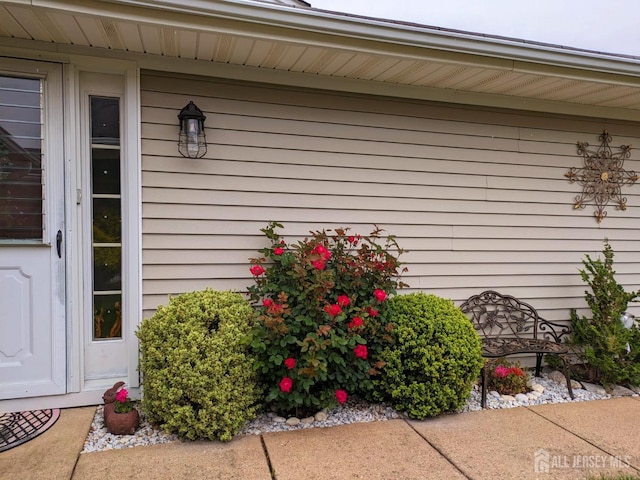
x=59, y=243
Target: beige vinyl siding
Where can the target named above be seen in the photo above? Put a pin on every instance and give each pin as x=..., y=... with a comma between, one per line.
x=477, y=196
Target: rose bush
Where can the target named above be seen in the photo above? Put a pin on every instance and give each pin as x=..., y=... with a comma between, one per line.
x=320, y=315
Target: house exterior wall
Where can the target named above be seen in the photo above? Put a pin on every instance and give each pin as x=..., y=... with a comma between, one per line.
x=477, y=196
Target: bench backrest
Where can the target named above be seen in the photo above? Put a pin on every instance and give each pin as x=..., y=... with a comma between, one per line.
x=493, y=315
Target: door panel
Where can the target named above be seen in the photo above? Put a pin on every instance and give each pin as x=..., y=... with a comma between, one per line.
x=32, y=283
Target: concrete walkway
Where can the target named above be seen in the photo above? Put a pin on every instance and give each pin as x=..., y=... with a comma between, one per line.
x=562, y=441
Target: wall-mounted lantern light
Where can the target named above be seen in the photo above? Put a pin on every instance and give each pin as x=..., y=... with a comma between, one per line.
x=192, y=142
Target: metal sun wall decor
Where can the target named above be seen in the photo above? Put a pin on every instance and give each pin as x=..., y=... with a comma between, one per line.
x=602, y=176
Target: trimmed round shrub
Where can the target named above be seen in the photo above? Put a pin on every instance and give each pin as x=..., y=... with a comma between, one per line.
x=198, y=378
x=435, y=359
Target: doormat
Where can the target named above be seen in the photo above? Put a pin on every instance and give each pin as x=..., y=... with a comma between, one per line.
x=20, y=427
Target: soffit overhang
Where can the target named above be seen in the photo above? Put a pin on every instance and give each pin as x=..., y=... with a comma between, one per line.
x=333, y=51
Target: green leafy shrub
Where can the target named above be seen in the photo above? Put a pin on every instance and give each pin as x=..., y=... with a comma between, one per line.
x=435, y=359
x=611, y=351
x=198, y=379
x=321, y=315
x=507, y=378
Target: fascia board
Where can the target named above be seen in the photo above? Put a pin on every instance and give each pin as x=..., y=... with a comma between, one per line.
x=346, y=28
x=103, y=59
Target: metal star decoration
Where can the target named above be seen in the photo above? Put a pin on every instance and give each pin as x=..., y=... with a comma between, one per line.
x=602, y=176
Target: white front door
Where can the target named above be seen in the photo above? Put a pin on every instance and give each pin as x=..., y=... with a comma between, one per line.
x=32, y=231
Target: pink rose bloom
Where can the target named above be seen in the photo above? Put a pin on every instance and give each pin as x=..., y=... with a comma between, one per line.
x=380, y=295
x=361, y=351
x=343, y=301
x=267, y=302
x=355, y=323
x=278, y=251
x=122, y=394
x=341, y=396
x=372, y=312
x=285, y=384
x=257, y=270
x=333, y=310
x=290, y=363
x=501, y=371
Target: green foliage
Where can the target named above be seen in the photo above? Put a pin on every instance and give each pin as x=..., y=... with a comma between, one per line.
x=435, y=359
x=507, y=378
x=611, y=351
x=321, y=315
x=199, y=380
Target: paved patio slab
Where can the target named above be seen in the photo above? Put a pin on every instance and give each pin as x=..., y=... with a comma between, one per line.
x=241, y=459
x=378, y=450
x=612, y=425
x=508, y=444
x=53, y=454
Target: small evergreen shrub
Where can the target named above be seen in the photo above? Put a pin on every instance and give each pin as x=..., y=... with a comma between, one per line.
x=435, y=359
x=507, y=378
x=198, y=378
x=610, y=350
x=321, y=315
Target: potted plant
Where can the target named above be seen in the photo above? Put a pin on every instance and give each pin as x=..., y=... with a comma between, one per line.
x=120, y=415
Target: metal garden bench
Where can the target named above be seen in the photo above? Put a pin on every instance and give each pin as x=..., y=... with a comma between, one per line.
x=508, y=326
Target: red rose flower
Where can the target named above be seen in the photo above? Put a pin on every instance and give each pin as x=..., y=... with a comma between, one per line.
x=285, y=384
x=341, y=396
x=343, y=301
x=361, y=351
x=257, y=270
x=333, y=310
x=352, y=239
x=267, y=302
x=355, y=323
x=290, y=363
x=276, y=309
x=278, y=251
x=380, y=295
x=318, y=264
x=372, y=312
x=322, y=251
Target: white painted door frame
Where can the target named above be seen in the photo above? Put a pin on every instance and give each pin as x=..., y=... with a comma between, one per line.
x=78, y=392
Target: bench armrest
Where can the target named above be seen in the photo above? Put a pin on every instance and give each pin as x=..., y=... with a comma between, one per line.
x=551, y=330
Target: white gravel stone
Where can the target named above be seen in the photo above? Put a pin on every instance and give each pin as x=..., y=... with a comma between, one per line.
x=536, y=387
x=352, y=411
x=522, y=398
x=321, y=416
x=307, y=420
x=620, y=391
x=593, y=388
x=292, y=421
x=508, y=398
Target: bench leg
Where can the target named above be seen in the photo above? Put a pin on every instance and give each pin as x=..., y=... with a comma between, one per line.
x=484, y=373
x=538, y=363
x=565, y=370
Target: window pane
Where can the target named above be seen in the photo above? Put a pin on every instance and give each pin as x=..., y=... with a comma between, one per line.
x=106, y=220
x=105, y=171
x=106, y=270
x=107, y=316
x=20, y=159
x=105, y=121
x=107, y=217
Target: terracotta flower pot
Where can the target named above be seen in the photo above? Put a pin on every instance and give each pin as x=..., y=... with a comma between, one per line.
x=120, y=423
